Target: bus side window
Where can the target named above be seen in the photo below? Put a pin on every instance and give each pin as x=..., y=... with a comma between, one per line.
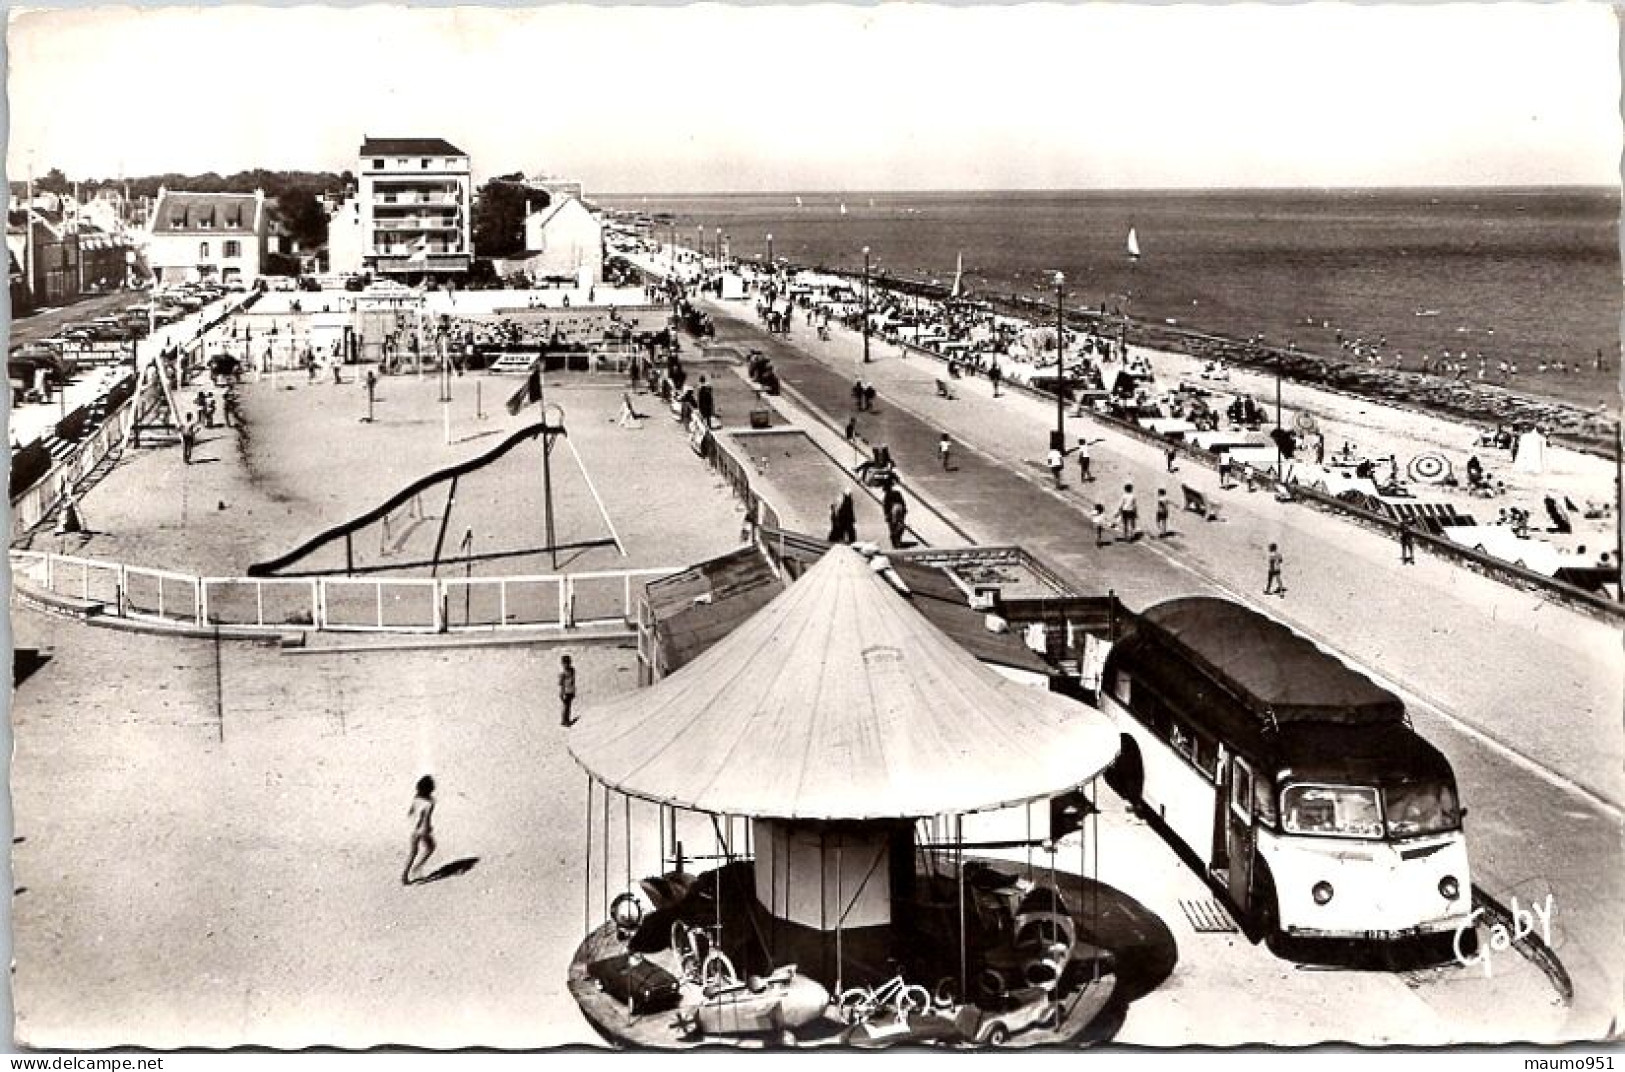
x=1206, y=757
x=1264, y=800
x=1241, y=788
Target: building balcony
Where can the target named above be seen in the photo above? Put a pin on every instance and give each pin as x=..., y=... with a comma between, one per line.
x=417, y=223
x=433, y=262
x=411, y=199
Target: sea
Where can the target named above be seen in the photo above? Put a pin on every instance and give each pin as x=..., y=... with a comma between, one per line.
x=1522, y=275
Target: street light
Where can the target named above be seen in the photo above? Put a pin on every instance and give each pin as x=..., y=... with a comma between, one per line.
x=770, y=254
x=1060, y=365
x=719, y=249
x=865, y=305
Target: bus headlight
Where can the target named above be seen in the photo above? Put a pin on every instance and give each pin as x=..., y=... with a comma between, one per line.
x=1322, y=892
x=1450, y=887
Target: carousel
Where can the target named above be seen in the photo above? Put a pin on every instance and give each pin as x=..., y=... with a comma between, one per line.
x=837, y=827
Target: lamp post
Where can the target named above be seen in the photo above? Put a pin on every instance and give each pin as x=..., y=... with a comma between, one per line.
x=719, y=249
x=699, y=243
x=865, y=305
x=1060, y=365
x=770, y=254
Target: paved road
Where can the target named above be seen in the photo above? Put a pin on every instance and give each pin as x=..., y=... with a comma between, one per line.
x=1523, y=696
x=48, y=322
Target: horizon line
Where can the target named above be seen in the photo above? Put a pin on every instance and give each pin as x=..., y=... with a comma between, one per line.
x=855, y=191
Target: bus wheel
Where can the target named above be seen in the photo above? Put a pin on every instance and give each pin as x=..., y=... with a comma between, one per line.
x=1126, y=775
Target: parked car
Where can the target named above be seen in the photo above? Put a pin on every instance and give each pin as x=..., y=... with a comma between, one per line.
x=22, y=362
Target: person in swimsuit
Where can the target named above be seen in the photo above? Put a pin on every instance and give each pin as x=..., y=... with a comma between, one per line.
x=422, y=816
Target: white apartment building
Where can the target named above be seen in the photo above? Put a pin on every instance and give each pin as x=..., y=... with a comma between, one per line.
x=412, y=215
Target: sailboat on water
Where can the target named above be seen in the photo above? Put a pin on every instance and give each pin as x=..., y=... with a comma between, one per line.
x=843, y=208
x=959, y=273
x=1133, y=245
x=798, y=201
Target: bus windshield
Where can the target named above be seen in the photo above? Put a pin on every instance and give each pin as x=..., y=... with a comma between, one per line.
x=1412, y=810
x=1331, y=811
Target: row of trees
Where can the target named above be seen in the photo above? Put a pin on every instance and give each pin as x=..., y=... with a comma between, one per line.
x=292, y=194
x=500, y=208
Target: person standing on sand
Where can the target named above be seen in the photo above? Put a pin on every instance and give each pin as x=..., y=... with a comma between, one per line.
x=1057, y=462
x=1098, y=518
x=1162, y=513
x=422, y=815
x=944, y=451
x=1273, y=585
x=1407, y=542
x=567, y=691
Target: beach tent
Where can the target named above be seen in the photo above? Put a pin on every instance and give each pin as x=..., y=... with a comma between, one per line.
x=1175, y=427
x=1531, y=453
x=1500, y=542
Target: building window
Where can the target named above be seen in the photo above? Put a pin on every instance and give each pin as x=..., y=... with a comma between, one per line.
x=202, y=249
x=425, y=163
x=231, y=249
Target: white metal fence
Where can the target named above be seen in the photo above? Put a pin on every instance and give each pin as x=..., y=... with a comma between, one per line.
x=341, y=604
x=36, y=504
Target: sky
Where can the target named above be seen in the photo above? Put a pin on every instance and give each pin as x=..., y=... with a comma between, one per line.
x=827, y=97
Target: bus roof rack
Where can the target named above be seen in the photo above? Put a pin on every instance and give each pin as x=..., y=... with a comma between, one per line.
x=1281, y=676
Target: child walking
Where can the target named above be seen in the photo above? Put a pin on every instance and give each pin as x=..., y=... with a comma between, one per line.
x=422, y=815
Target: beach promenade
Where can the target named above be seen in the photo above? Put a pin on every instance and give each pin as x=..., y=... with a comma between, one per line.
x=1522, y=695
x=224, y=869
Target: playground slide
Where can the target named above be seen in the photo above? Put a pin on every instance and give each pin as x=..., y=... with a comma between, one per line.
x=417, y=487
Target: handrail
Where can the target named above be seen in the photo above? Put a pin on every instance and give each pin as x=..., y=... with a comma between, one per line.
x=207, y=600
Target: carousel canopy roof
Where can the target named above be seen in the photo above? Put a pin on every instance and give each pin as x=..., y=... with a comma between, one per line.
x=839, y=700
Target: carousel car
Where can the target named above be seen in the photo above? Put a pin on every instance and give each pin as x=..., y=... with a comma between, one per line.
x=780, y=1002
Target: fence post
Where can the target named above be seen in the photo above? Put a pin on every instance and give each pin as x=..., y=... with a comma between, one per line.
x=626, y=598
x=502, y=602
x=564, y=614
x=259, y=602
x=202, y=601
x=378, y=588
x=50, y=572
x=441, y=618
x=318, y=605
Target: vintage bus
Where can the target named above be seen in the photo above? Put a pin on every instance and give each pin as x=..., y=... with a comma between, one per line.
x=1295, y=782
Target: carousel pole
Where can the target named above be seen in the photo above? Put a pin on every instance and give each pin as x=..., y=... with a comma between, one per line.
x=586, y=886
x=1029, y=810
x=1094, y=891
x=840, y=914
x=662, y=820
x=823, y=903
x=959, y=860
x=605, y=869
x=628, y=819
